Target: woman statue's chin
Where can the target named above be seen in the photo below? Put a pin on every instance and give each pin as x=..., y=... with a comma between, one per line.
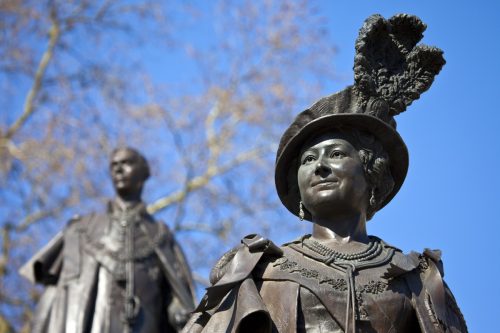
x=333, y=209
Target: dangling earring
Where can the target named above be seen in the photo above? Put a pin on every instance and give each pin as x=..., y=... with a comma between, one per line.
x=373, y=201
x=301, y=211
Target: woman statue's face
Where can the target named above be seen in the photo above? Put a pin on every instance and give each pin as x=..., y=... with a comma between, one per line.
x=331, y=177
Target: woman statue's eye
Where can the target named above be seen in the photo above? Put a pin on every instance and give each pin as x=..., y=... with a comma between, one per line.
x=308, y=159
x=337, y=154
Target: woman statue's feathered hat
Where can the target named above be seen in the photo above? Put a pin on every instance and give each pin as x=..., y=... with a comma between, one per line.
x=390, y=72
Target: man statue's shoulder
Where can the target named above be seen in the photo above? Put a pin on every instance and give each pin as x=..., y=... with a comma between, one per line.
x=158, y=232
x=79, y=223
x=75, y=221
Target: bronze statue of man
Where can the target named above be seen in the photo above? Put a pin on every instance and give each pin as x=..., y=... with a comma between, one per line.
x=113, y=272
x=338, y=163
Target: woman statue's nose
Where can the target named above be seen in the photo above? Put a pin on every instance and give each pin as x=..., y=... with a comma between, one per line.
x=322, y=168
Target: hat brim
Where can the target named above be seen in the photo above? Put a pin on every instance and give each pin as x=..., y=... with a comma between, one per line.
x=286, y=178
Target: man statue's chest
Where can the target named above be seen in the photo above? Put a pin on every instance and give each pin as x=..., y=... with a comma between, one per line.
x=118, y=245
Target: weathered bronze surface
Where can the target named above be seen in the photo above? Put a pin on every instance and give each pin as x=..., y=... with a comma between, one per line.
x=120, y=271
x=340, y=162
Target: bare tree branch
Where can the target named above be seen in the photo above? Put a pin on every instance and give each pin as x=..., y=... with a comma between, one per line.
x=5, y=326
x=213, y=146
x=37, y=217
x=6, y=247
x=201, y=280
x=200, y=181
x=29, y=104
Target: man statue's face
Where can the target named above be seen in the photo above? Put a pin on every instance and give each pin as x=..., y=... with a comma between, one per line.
x=127, y=172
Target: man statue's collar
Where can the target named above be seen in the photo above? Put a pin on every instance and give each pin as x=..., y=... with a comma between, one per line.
x=114, y=206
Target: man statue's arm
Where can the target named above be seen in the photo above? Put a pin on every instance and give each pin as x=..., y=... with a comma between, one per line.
x=45, y=265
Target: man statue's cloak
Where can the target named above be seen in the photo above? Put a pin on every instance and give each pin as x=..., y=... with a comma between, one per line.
x=84, y=273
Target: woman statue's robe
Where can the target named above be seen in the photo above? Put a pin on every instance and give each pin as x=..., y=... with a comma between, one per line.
x=259, y=287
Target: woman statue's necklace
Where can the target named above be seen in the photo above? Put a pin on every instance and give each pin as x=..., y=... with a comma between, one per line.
x=372, y=251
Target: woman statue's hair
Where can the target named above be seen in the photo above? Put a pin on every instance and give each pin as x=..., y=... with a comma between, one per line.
x=376, y=166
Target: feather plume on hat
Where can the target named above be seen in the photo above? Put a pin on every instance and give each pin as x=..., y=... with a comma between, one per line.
x=390, y=72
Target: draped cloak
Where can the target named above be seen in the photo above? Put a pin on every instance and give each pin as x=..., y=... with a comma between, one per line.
x=83, y=271
x=261, y=288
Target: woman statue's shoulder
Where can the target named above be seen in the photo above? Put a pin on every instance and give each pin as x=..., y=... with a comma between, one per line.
x=429, y=260
x=234, y=267
x=220, y=266
x=242, y=259
x=434, y=302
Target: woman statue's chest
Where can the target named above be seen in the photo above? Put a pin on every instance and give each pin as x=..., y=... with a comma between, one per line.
x=331, y=298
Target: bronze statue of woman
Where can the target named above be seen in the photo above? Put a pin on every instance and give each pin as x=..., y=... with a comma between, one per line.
x=338, y=163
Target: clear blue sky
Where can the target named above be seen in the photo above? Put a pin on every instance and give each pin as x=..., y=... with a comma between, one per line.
x=452, y=192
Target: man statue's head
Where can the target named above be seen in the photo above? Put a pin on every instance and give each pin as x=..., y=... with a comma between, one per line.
x=129, y=170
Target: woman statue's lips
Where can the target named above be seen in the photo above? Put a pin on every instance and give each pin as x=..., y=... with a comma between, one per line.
x=325, y=182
